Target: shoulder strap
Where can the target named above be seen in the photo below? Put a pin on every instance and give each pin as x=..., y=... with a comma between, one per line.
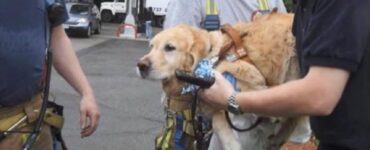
x=263, y=5
x=211, y=8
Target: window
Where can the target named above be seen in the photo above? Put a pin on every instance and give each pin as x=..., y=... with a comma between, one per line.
x=79, y=9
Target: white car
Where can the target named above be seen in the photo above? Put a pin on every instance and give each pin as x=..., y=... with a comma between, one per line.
x=113, y=10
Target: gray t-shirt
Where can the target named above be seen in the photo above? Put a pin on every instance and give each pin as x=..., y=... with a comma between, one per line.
x=193, y=12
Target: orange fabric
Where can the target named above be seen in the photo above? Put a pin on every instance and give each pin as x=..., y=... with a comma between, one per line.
x=310, y=145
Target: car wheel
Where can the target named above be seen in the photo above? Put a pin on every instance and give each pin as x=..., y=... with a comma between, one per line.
x=98, y=29
x=106, y=16
x=87, y=33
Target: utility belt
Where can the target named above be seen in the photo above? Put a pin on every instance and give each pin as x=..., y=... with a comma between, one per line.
x=13, y=118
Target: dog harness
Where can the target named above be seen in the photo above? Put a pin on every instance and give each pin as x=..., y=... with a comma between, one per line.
x=178, y=125
x=263, y=6
x=181, y=129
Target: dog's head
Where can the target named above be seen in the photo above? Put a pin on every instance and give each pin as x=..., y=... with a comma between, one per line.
x=180, y=47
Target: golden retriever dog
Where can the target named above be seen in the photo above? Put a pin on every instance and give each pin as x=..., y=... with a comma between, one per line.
x=270, y=61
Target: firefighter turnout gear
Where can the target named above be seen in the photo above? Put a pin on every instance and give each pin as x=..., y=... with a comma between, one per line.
x=17, y=122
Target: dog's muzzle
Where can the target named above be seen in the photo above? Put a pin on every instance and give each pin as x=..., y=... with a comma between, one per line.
x=143, y=67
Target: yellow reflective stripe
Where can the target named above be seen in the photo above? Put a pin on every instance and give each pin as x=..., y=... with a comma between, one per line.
x=166, y=143
x=214, y=7
x=208, y=9
x=158, y=140
x=188, y=122
x=263, y=5
x=188, y=128
x=211, y=7
x=163, y=141
x=187, y=115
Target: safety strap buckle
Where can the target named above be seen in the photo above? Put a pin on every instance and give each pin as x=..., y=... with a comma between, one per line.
x=212, y=19
x=212, y=22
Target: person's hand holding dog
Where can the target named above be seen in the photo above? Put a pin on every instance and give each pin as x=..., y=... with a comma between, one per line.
x=219, y=92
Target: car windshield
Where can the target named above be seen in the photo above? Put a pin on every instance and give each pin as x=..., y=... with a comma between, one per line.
x=78, y=9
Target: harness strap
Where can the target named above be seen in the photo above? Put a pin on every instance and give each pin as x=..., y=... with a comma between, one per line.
x=233, y=50
x=162, y=142
x=179, y=133
x=263, y=5
x=212, y=20
x=211, y=8
x=178, y=103
x=177, y=124
x=233, y=34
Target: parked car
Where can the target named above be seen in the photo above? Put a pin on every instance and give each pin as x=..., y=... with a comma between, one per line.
x=84, y=19
x=114, y=10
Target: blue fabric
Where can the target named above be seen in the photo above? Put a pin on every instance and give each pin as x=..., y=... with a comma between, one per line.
x=22, y=49
x=178, y=133
x=229, y=77
x=204, y=69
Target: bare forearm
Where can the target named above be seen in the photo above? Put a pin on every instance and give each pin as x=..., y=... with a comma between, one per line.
x=316, y=94
x=279, y=101
x=66, y=63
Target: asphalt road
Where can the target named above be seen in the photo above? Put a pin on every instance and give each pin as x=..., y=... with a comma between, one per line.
x=108, y=32
x=131, y=113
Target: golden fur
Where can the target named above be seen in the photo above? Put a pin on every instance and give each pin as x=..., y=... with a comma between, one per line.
x=270, y=45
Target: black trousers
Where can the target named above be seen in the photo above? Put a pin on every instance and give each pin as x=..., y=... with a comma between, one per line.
x=325, y=146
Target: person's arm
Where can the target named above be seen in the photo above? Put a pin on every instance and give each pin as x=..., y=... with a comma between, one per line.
x=315, y=94
x=332, y=46
x=66, y=63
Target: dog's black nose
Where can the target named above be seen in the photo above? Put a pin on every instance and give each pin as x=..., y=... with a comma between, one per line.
x=143, y=66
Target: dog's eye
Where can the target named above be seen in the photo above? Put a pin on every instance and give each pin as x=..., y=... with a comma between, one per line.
x=169, y=48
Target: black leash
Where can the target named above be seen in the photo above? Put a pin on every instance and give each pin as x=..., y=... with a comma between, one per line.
x=206, y=83
x=254, y=125
x=36, y=130
x=197, y=124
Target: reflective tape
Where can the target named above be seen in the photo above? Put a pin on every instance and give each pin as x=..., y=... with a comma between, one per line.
x=263, y=5
x=211, y=7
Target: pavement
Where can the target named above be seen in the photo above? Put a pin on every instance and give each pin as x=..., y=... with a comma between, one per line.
x=131, y=113
x=108, y=32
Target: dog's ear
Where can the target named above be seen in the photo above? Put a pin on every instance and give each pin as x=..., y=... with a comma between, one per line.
x=201, y=44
